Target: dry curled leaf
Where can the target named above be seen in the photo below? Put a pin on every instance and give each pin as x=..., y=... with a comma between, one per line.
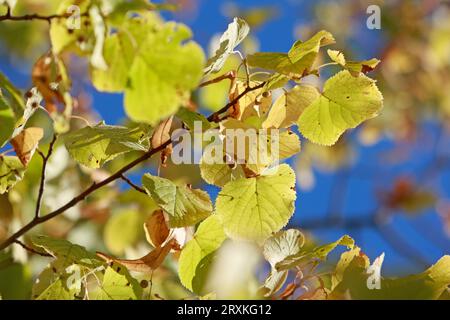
x=161, y=136
x=46, y=77
x=147, y=263
x=26, y=143
x=156, y=229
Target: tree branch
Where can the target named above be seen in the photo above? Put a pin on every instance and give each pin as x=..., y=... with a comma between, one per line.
x=137, y=188
x=29, y=249
x=119, y=174
x=42, y=183
x=34, y=16
x=215, y=116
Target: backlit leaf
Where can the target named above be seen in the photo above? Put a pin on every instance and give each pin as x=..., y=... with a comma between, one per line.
x=11, y=172
x=93, y=146
x=196, y=257
x=345, y=103
x=185, y=206
x=231, y=38
x=256, y=207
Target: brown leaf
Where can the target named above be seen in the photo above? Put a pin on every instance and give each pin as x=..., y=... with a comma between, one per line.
x=161, y=136
x=147, y=263
x=156, y=229
x=26, y=142
x=45, y=76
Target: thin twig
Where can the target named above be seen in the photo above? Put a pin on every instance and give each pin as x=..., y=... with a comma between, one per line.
x=134, y=186
x=95, y=186
x=29, y=249
x=45, y=159
x=229, y=75
x=28, y=17
x=215, y=116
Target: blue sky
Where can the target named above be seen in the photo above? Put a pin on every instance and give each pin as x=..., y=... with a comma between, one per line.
x=278, y=35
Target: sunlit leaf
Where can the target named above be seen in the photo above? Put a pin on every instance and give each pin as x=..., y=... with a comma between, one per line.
x=26, y=143
x=185, y=206
x=93, y=146
x=197, y=255
x=256, y=207
x=70, y=253
x=11, y=171
x=287, y=109
x=345, y=103
x=117, y=284
x=355, y=67
x=231, y=38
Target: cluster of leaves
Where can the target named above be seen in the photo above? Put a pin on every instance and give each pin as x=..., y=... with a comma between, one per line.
x=154, y=64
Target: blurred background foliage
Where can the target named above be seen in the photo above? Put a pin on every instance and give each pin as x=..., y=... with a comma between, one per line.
x=387, y=184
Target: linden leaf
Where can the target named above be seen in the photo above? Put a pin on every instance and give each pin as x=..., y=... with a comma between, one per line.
x=70, y=253
x=231, y=38
x=26, y=143
x=7, y=120
x=345, y=103
x=197, y=256
x=11, y=172
x=185, y=206
x=156, y=229
x=355, y=67
x=320, y=253
x=278, y=247
x=147, y=263
x=353, y=278
x=287, y=108
x=13, y=97
x=254, y=103
x=117, y=284
x=93, y=146
x=219, y=173
x=160, y=67
x=254, y=208
x=299, y=59
x=64, y=35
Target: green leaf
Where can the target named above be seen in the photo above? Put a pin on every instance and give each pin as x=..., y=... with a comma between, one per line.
x=287, y=108
x=117, y=284
x=190, y=117
x=64, y=39
x=7, y=120
x=345, y=103
x=159, y=67
x=308, y=50
x=12, y=95
x=196, y=257
x=185, y=206
x=320, y=253
x=93, y=146
x=355, y=67
x=123, y=230
x=299, y=59
x=430, y=284
x=11, y=172
x=67, y=252
x=254, y=208
x=231, y=38
x=219, y=173
x=55, y=282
